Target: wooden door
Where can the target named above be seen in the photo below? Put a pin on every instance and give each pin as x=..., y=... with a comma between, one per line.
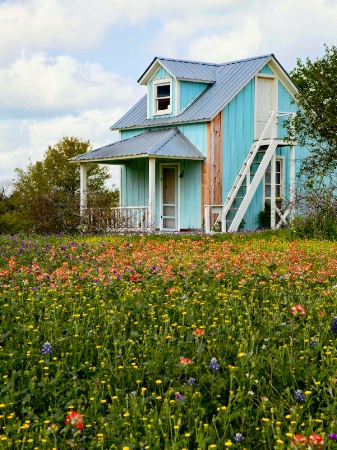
x=265, y=103
x=169, y=200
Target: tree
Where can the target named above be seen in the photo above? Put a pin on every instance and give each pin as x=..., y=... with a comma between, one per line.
x=47, y=193
x=315, y=124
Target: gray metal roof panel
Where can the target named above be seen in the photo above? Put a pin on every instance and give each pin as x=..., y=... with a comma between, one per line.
x=231, y=77
x=190, y=70
x=169, y=142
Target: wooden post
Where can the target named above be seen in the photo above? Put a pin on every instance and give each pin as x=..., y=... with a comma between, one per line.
x=83, y=188
x=272, y=191
x=292, y=182
x=152, y=192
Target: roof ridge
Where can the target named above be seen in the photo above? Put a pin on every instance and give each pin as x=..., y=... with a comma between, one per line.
x=171, y=132
x=252, y=58
x=205, y=63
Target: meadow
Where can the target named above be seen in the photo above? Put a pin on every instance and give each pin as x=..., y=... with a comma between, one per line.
x=168, y=342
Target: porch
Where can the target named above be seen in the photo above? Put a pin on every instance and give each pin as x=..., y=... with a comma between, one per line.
x=160, y=183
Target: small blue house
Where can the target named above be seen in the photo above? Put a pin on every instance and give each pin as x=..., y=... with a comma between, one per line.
x=205, y=147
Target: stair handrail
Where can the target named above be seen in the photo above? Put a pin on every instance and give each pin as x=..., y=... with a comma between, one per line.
x=244, y=169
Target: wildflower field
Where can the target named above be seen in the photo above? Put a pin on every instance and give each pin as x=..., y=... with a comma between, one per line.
x=168, y=342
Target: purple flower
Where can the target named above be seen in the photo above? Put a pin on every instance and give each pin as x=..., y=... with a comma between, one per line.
x=299, y=396
x=191, y=381
x=334, y=325
x=333, y=436
x=179, y=396
x=214, y=364
x=47, y=348
x=239, y=437
x=313, y=342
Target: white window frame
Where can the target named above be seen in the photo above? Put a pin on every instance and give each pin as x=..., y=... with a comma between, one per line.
x=281, y=184
x=158, y=82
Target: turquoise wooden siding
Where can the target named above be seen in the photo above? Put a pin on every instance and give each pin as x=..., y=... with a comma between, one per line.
x=267, y=70
x=125, y=134
x=135, y=182
x=162, y=73
x=285, y=104
x=189, y=91
x=238, y=137
x=135, y=188
x=197, y=134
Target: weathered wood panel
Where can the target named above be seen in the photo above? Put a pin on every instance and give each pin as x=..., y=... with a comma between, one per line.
x=212, y=167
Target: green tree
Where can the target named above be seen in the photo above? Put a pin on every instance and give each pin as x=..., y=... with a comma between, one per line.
x=46, y=193
x=315, y=124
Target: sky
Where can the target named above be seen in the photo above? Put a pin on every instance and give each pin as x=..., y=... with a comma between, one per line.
x=70, y=67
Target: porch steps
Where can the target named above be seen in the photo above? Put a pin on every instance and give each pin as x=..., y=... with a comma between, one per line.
x=247, y=180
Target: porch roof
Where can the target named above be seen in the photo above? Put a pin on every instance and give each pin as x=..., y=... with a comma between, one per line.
x=163, y=143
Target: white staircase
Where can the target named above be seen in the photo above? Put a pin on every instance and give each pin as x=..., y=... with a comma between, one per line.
x=231, y=213
x=237, y=205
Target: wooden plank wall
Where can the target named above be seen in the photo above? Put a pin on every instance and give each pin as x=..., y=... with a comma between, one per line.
x=212, y=167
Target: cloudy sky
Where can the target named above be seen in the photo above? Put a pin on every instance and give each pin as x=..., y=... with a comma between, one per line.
x=70, y=67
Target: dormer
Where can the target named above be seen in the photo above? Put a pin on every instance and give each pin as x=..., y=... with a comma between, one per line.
x=173, y=85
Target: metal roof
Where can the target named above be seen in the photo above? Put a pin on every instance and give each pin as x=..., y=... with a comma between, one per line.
x=229, y=80
x=182, y=70
x=167, y=143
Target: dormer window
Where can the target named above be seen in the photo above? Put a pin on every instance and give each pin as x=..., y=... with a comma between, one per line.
x=162, y=93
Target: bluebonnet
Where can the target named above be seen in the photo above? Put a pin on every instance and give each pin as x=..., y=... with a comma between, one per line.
x=47, y=348
x=299, y=396
x=312, y=342
x=191, y=381
x=214, y=364
x=239, y=437
x=334, y=325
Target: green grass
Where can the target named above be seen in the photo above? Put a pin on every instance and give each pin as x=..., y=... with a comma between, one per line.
x=120, y=313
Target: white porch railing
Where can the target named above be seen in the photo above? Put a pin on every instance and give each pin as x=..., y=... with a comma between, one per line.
x=130, y=218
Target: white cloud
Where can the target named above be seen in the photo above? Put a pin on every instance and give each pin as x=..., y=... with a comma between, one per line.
x=227, y=47
x=40, y=82
x=24, y=140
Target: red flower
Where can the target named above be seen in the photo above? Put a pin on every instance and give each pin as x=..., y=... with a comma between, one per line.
x=75, y=419
x=297, y=310
x=199, y=332
x=185, y=361
x=298, y=441
x=316, y=441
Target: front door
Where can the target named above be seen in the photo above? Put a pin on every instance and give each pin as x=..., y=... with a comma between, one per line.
x=169, y=198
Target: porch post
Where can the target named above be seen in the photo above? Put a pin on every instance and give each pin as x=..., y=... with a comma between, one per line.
x=83, y=188
x=152, y=192
x=292, y=182
x=272, y=191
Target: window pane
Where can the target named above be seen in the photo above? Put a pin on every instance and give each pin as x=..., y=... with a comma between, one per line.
x=169, y=195
x=267, y=191
x=278, y=178
x=163, y=104
x=163, y=90
x=278, y=166
x=169, y=223
x=169, y=211
x=268, y=177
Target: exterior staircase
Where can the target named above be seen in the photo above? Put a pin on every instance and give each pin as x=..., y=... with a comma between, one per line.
x=231, y=213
